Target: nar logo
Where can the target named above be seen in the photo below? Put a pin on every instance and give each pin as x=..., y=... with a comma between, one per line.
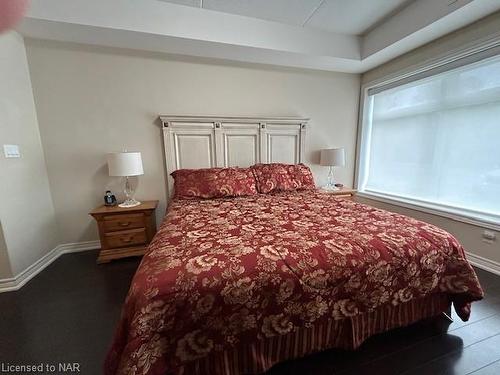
x=69, y=367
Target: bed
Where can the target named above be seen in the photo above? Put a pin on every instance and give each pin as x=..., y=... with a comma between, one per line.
x=233, y=285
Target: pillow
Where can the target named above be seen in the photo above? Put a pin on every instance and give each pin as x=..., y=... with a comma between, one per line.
x=282, y=177
x=213, y=183
x=304, y=175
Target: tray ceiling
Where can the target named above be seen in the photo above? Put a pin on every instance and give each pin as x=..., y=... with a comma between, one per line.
x=353, y=17
x=336, y=35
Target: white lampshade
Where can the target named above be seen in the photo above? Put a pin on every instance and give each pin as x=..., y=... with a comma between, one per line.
x=333, y=157
x=125, y=164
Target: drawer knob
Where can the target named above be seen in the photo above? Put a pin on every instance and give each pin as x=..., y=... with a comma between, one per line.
x=129, y=239
x=124, y=223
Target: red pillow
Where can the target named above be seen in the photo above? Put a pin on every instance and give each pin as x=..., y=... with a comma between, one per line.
x=282, y=177
x=213, y=182
x=304, y=175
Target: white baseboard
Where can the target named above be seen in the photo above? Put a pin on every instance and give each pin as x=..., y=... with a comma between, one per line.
x=16, y=282
x=484, y=263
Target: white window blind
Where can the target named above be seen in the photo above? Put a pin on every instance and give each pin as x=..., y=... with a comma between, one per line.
x=437, y=140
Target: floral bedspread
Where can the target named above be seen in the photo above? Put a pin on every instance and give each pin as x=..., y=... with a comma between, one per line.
x=228, y=271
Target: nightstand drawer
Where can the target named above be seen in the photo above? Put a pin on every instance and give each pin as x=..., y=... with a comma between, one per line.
x=125, y=231
x=125, y=238
x=122, y=222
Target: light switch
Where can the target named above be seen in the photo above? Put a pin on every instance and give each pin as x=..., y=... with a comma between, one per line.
x=11, y=151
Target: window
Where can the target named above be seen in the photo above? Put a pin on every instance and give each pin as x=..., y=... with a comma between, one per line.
x=435, y=141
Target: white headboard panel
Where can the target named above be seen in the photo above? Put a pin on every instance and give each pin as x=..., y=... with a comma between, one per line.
x=205, y=142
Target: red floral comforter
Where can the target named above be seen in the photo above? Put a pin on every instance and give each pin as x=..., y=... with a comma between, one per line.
x=228, y=271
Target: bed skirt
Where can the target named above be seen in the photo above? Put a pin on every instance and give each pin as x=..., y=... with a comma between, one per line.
x=260, y=356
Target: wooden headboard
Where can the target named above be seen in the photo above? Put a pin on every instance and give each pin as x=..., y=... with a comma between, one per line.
x=207, y=141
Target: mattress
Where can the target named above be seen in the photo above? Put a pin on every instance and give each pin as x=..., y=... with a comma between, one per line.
x=224, y=277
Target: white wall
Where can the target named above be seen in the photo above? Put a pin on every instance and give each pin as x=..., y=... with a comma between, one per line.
x=5, y=268
x=93, y=100
x=26, y=212
x=468, y=235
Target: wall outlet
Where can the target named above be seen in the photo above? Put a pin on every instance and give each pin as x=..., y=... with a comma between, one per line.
x=489, y=236
x=11, y=151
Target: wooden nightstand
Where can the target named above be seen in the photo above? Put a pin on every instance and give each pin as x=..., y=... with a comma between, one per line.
x=125, y=232
x=343, y=192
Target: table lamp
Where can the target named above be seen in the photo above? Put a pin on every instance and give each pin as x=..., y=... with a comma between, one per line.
x=126, y=164
x=332, y=157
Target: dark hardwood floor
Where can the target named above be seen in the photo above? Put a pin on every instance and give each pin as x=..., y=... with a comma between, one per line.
x=68, y=314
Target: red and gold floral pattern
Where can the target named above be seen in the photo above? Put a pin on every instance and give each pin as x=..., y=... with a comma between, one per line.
x=228, y=273
x=213, y=182
x=304, y=175
x=282, y=177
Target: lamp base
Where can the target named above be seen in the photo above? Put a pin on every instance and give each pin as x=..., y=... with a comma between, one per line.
x=129, y=203
x=330, y=188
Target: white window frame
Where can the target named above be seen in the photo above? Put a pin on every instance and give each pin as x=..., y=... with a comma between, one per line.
x=464, y=56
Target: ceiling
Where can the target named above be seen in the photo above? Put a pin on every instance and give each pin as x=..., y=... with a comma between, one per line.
x=351, y=36
x=355, y=17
